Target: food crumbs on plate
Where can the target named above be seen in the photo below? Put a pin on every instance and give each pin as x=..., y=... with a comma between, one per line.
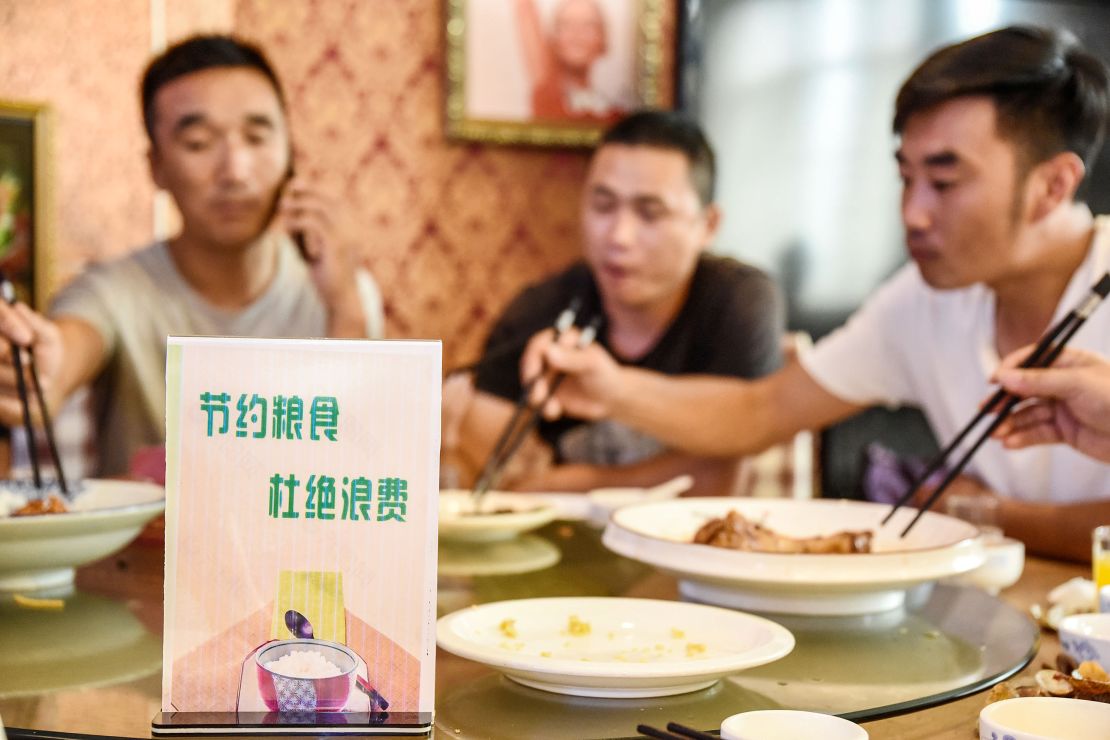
x=508, y=628
x=677, y=634
x=31, y=603
x=694, y=648
x=577, y=627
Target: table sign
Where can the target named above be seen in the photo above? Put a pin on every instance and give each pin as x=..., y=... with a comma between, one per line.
x=302, y=498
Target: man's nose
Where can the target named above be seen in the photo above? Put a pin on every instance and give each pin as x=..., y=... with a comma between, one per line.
x=917, y=208
x=623, y=233
x=237, y=162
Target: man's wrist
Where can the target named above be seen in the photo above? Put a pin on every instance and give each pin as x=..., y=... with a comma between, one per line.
x=346, y=318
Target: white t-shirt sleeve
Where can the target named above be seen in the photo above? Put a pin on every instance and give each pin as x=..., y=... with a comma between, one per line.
x=371, y=299
x=865, y=361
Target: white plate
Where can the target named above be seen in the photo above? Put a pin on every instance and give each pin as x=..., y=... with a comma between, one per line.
x=634, y=647
x=522, y=554
x=456, y=522
x=41, y=551
x=660, y=534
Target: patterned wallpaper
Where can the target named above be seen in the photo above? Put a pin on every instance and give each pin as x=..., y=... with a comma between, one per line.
x=450, y=231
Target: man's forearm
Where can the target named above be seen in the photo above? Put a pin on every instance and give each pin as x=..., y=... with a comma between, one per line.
x=1054, y=530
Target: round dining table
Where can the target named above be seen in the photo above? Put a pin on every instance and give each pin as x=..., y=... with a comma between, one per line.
x=93, y=667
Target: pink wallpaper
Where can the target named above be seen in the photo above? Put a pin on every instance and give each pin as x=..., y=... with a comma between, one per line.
x=451, y=231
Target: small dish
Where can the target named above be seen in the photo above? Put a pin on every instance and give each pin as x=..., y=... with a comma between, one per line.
x=789, y=724
x=1087, y=637
x=503, y=516
x=612, y=647
x=41, y=551
x=1002, y=569
x=523, y=554
x=604, y=501
x=1045, y=718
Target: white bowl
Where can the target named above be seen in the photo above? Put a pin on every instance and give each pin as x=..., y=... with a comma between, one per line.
x=41, y=551
x=617, y=648
x=1002, y=569
x=661, y=534
x=516, y=513
x=1087, y=637
x=1045, y=718
x=788, y=724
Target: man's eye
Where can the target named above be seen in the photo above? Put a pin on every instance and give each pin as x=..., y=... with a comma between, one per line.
x=941, y=185
x=650, y=214
x=257, y=138
x=603, y=205
x=196, y=144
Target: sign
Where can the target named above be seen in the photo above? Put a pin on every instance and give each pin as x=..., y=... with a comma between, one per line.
x=302, y=496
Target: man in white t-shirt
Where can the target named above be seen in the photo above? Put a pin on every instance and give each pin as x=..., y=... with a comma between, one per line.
x=219, y=144
x=996, y=134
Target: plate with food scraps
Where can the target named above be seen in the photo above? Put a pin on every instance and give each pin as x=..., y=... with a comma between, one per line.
x=612, y=647
x=40, y=549
x=498, y=516
x=793, y=556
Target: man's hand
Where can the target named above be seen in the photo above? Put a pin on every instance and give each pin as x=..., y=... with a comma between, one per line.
x=593, y=378
x=1072, y=403
x=333, y=259
x=27, y=329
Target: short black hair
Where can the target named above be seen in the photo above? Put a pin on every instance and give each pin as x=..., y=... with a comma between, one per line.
x=196, y=53
x=1049, y=94
x=670, y=130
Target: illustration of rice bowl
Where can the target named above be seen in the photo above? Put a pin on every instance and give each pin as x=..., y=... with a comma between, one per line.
x=305, y=675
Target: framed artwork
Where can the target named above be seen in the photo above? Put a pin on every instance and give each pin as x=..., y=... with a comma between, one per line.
x=23, y=197
x=550, y=72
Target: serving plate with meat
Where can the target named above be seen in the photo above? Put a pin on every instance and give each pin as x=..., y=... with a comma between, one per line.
x=820, y=556
x=41, y=542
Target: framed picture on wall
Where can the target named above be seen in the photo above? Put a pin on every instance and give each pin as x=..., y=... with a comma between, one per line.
x=23, y=196
x=550, y=72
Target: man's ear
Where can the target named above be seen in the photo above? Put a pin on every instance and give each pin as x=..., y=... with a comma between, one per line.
x=154, y=161
x=713, y=217
x=1056, y=181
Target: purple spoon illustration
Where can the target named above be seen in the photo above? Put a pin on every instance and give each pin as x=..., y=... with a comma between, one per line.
x=298, y=624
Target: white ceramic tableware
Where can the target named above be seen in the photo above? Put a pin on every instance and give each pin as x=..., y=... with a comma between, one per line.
x=42, y=550
x=789, y=724
x=1086, y=637
x=604, y=501
x=661, y=534
x=1003, y=567
x=502, y=515
x=612, y=647
x=1045, y=718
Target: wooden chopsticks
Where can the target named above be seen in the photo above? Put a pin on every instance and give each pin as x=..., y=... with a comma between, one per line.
x=1044, y=354
x=525, y=417
x=7, y=292
x=680, y=732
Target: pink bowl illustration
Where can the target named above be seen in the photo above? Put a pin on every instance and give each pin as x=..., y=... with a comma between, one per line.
x=305, y=675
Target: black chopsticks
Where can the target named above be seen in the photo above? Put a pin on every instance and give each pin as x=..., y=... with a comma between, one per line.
x=680, y=732
x=525, y=417
x=7, y=292
x=1044, y=354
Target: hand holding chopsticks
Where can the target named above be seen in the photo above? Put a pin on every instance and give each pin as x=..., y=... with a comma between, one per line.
x=7, y=293
x=1002, y=403
x=525, y=418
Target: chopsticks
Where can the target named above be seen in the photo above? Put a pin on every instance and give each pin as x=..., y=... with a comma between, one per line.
x=7, y=292
x=681, y=732
x=525, y=418
x=1044, y=354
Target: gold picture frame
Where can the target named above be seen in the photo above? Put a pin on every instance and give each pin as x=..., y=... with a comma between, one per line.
x=25, y=197
x=508, y=63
